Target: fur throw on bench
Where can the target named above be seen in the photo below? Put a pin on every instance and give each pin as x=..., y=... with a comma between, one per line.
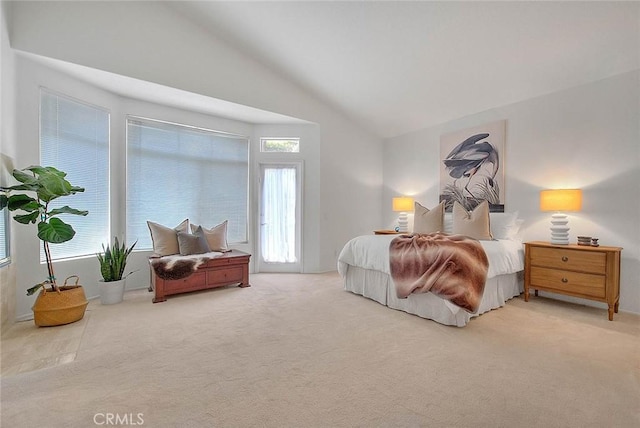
x=179, y=267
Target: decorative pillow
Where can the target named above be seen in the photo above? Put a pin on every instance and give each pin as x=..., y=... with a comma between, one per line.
x=216, y=236
x=193, y=243
x=165, y=239
x=514, y=232
x=474, y=224
x=428, y=221
x=504, y=225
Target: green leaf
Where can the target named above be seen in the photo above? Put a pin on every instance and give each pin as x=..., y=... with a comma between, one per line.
x=76, y=189
x=43, y=170
x=27, y=218
x=28, y=187
x=23, y=202
x=56, y=231
x=23, y=177
x=35, y=288
x=67, y=210
x=52, y=186
x=4, y=201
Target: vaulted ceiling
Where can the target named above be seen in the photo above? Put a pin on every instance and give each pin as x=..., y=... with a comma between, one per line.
x=395, y=67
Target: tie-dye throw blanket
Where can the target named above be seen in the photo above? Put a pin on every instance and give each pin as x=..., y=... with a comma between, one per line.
x=453, y=267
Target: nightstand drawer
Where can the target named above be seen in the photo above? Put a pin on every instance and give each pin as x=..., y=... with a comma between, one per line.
x=575, y=260
x=568, y=282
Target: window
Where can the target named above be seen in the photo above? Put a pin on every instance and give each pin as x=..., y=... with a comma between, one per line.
x=4, y=236
x=177, y=171
x=74, y=138
x=280, y=145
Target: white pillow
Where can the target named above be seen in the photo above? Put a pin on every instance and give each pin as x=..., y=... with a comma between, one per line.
x=448, y=223
x=514, y=233
x=505, y=225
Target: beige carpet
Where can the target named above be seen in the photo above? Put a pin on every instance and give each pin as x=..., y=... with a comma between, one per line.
x=298, y=351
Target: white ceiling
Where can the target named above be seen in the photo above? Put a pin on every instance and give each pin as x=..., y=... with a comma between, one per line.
x=396, y=67
x=152, y=92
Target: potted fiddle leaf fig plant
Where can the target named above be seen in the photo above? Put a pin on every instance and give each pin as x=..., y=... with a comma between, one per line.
x=113, y=261
x=39, y=186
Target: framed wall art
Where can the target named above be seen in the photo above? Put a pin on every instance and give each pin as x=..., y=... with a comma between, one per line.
x=472, y=166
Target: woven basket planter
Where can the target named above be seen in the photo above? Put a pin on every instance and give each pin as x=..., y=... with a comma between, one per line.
x=65, y=305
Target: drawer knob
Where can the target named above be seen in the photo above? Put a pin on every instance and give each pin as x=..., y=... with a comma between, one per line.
x=565, y=280
x=565, y=258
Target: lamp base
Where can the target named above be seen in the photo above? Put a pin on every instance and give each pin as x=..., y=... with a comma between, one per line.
x=403, y=222
x=559, y=229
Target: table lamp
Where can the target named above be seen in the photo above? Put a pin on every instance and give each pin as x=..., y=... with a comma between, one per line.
x=560, y=200
x=403, y=205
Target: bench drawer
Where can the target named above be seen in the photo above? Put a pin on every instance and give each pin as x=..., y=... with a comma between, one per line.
x=225, y=276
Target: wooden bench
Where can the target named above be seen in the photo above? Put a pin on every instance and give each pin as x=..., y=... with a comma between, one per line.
x=228, y=269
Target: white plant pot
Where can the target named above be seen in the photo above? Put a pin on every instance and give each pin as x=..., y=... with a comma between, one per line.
x=111, y=292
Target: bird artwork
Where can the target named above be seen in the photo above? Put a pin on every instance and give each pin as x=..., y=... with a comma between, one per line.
x=473, y=164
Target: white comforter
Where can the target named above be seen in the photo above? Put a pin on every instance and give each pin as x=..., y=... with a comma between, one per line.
x=372, y=252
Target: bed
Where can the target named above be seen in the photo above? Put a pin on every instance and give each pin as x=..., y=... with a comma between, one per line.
x=363, y=264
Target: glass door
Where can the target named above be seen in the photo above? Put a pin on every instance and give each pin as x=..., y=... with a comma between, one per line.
x=280, y=217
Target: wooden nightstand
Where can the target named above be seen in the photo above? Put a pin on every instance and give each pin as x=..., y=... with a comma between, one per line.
x=581, y=271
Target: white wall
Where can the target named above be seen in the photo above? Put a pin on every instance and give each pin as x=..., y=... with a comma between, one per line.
x=8, y=146
x=586, y=137
x=33, y=75
x=124, y=38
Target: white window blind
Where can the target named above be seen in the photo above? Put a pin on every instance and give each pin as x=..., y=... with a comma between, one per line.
x=74, y=138
x=176, y=172
x=4, y=236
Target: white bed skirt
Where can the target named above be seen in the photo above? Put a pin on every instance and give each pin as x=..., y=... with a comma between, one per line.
x=378, y=286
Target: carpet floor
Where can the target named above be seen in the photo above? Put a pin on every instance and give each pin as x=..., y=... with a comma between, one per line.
x=299, y=351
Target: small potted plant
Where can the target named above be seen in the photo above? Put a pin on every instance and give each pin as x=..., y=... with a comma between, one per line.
x=113, y=261
x=54, y=305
